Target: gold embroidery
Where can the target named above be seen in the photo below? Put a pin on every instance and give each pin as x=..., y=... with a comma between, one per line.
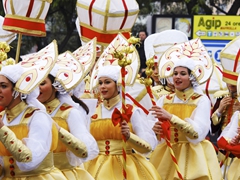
x=15, y=111
x=109, y=104
x=52, y=105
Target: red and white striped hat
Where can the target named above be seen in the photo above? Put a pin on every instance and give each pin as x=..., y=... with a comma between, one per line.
x=230, y=60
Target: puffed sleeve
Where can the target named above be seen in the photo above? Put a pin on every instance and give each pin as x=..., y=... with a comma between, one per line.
x=142, y=128
x=200, y=119
x=230, y=131
x=38, y=140
x=77, y=126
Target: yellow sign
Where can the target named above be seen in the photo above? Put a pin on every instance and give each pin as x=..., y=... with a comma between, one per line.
x=216, y=27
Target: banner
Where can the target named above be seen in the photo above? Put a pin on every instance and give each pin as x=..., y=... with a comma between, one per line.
x=216, y=27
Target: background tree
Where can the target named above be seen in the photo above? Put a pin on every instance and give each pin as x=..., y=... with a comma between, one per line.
x=200, y=6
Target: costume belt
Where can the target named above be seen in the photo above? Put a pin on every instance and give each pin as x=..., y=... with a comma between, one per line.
x=61, y=161
x=112, y=147
x=11, y=169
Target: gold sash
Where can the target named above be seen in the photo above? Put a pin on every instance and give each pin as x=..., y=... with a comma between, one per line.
x=112, y=147
x=61, y=162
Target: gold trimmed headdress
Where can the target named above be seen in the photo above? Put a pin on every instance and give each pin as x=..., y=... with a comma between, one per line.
x=86, y=55
x=230, y=60
x=198, y=60
x=35, y=68
x=107, y=58
x=68, y=72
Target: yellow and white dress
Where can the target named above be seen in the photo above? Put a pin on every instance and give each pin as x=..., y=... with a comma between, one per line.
x=76, y=145
x=190, y=124
x=27, y=141
x=109, y=163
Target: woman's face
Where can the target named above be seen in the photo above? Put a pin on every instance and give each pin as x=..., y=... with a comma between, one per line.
x=181, y=78
x=107, y=87
x=155, y=74
x=232, y=88
x=6, y=91
x=47, y=91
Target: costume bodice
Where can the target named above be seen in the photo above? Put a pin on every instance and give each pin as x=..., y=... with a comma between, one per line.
x=60, y=118
x=102, y=129
x=182, y=110
x=21, y=131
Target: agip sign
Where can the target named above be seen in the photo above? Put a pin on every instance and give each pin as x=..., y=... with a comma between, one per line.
x=215, y=31
x=216, y=27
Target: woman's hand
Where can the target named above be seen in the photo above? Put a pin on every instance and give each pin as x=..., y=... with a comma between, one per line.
x=125, y=130
x=157, y=128
x=160, y=113
x=224, y=103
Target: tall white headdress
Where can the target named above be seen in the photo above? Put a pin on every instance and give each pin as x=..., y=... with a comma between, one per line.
x=107, y=59
x=30, y=72
x=230, y=60
x=156, y=44
x=198, y=59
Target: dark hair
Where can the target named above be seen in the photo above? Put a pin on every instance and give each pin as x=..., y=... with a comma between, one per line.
x=52, y=79
x=142, y=31
x=13, y=84
x=188, y=70
x=74, y=98
x=81, y=103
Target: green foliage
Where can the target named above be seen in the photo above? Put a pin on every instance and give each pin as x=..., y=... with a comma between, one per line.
x=144, y=6
x=195, y=9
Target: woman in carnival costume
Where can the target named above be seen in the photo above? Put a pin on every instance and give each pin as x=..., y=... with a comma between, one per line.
x=186, y=116
x=27, y=135
x=109, y=164
x=76, y=145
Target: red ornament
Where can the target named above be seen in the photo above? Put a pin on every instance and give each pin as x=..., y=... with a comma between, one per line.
x=28, y=79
